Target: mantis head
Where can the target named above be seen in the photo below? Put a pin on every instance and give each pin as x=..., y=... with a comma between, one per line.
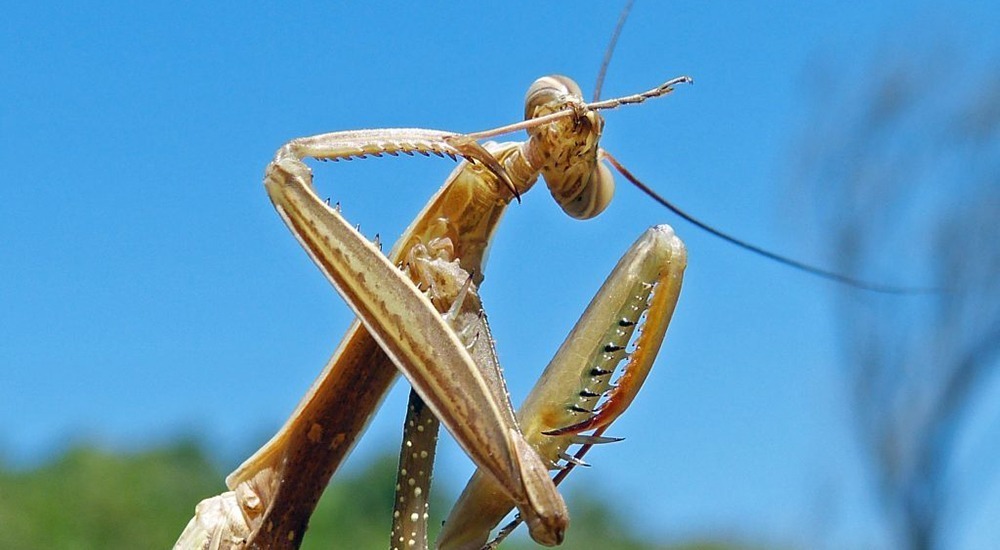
x=566, y=149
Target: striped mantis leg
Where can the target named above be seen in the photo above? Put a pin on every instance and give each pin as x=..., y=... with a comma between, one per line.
x=400, y=323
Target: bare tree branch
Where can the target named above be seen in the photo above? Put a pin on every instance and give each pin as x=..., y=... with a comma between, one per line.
x=906, y=179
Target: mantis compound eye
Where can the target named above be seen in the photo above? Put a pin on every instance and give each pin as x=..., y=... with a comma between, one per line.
x=549, y=94
x=595, y=194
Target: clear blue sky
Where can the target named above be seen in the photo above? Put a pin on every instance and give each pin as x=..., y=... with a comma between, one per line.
x=150, y=291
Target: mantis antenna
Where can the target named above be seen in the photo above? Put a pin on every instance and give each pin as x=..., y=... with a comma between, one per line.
x=784, y=260
x=661, y=90
x=622, y=17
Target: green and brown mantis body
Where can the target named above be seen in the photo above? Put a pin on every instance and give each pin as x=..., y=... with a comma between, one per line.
x=419, y=313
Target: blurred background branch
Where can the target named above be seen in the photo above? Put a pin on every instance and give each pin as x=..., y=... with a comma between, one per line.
x=903, y=166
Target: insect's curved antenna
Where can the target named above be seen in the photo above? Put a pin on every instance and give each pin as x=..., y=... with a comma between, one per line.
x=607, y=104
x=784, y=260
x=795, y=264
x=622, y=17
x=664, y=89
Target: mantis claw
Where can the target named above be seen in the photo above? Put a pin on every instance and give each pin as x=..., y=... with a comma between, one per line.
x=645, y=284
x=570, y=459
x=579, y=439
x=472, y=150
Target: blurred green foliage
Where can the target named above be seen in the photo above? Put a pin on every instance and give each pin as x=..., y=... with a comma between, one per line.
x=92, y=499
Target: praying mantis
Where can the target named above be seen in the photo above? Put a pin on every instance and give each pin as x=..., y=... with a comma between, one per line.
x=426, y=321
x=419, y=312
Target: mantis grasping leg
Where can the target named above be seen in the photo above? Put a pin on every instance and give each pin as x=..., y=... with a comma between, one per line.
x=575, y=393
x=625, y=323
x=411, y=331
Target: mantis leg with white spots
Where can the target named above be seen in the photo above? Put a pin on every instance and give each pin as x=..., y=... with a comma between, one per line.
x=411, y=506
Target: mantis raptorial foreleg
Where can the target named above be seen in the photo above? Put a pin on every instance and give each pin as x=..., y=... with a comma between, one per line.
x=625, y=323
x=575, y=393
x=413, y=334
x=420, y=343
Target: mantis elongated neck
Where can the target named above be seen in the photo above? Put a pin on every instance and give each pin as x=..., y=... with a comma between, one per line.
x=468, y=208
